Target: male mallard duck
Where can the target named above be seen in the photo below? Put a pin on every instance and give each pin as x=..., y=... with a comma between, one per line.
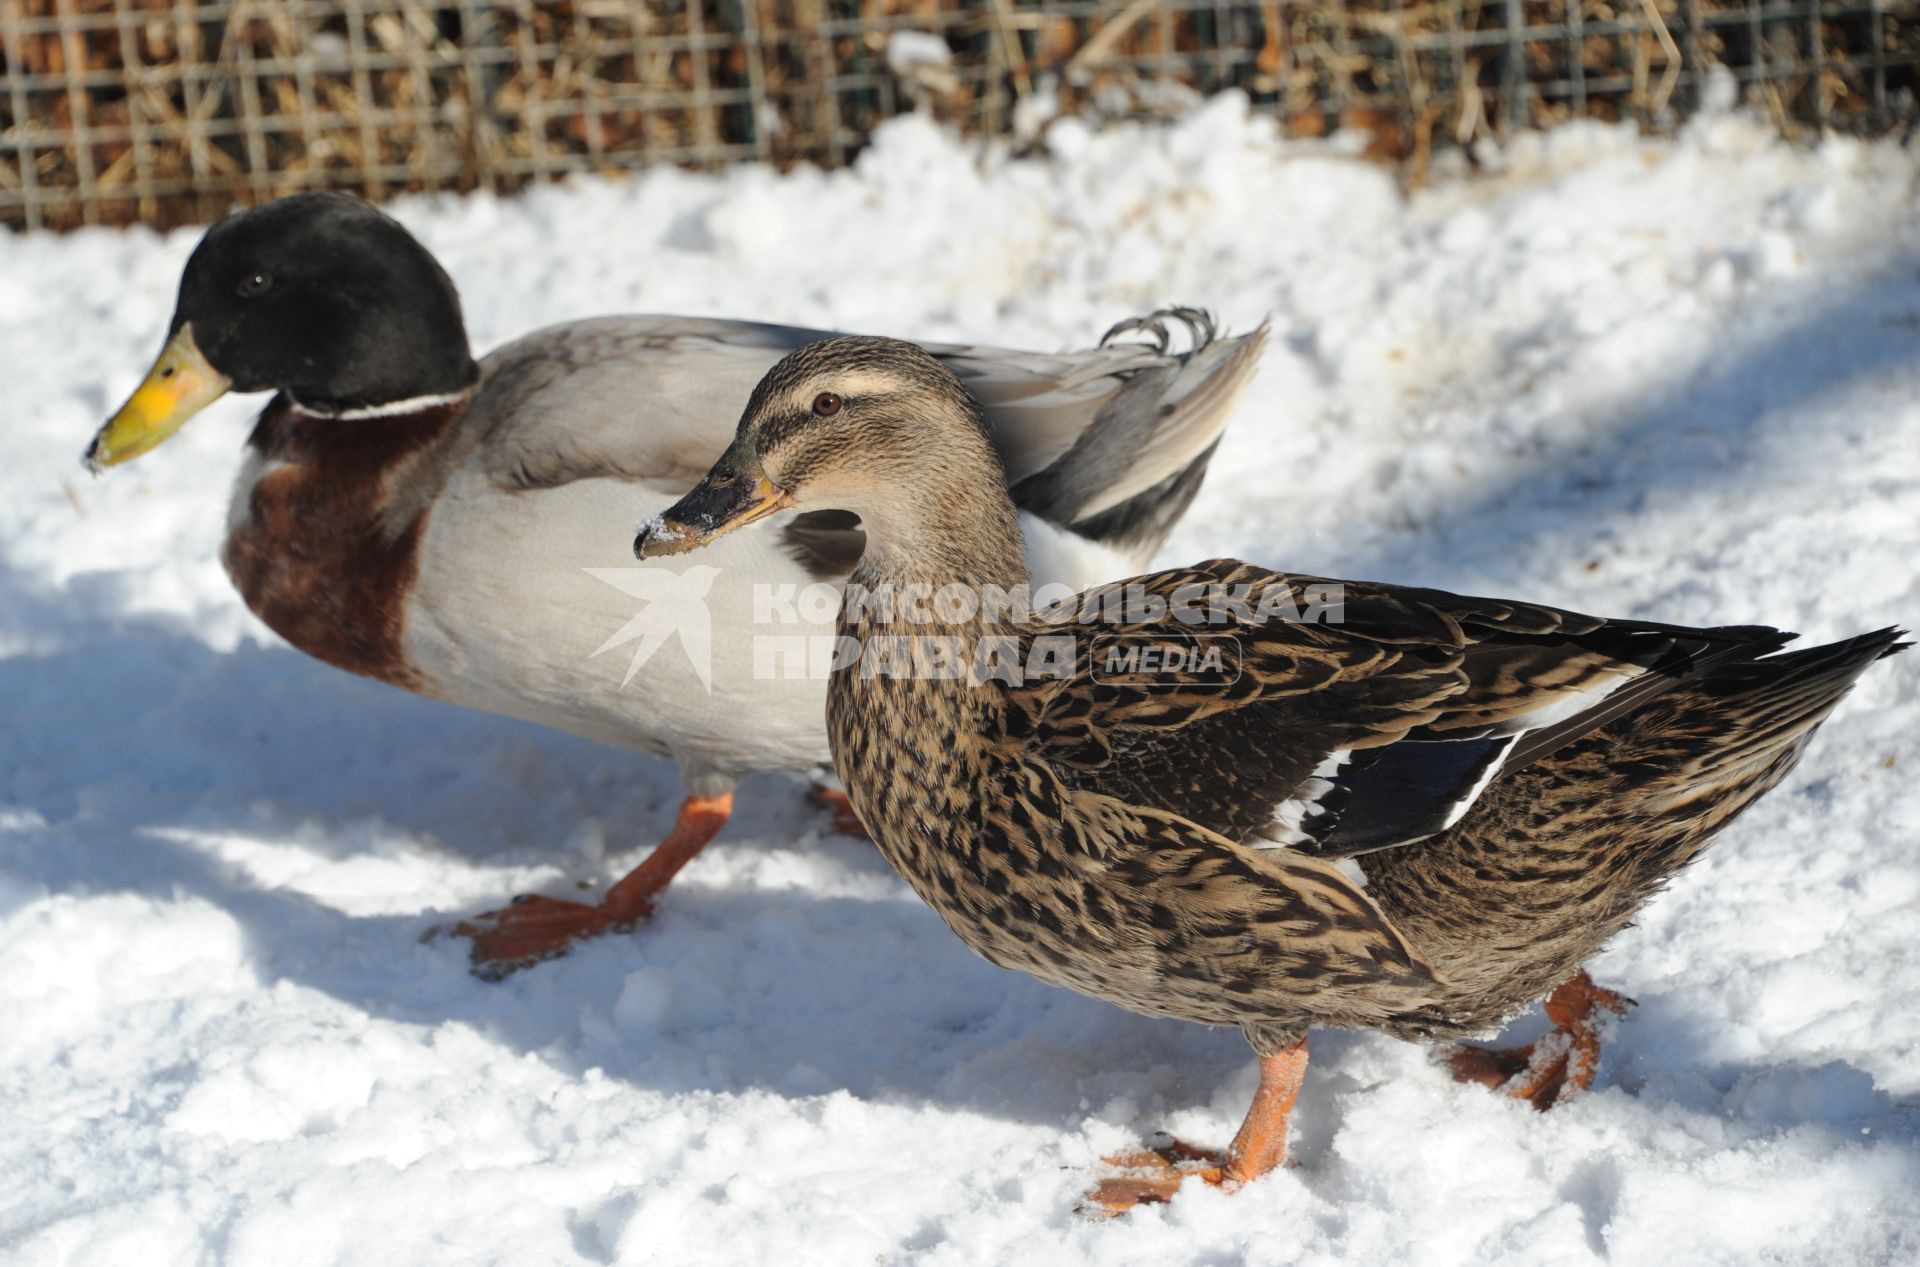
x=439, y=524
x=1520, y=779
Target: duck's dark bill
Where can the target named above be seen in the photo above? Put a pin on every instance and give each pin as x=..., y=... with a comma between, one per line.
x=709, y=510
x=179, y=385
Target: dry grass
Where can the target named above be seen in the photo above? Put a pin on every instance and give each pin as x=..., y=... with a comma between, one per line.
x=169, y=111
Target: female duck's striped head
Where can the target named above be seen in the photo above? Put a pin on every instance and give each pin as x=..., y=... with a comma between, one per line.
x=319, y=296
x=852, y=423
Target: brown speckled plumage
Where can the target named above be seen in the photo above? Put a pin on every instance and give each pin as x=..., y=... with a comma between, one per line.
x=1520, y=779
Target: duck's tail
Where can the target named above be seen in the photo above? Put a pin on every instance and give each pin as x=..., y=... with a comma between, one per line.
x=1736, y=731
x=1127, y=434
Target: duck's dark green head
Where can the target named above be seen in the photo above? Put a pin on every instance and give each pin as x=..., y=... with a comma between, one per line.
x=319, y=296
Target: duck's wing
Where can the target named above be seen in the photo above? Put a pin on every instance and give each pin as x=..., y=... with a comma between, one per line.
x=1110, y=442
x=640, y=398
x=1335, y=717
x=1260, y=938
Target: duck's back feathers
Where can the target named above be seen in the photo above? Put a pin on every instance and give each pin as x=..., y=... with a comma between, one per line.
x=1380, y=727
x=638, y=398
x=1108, y=443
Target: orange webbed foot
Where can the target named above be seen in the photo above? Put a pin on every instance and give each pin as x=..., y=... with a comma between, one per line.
x=845, y=821
x=1559, y=1065
x=1150, y=1176
x=1146, y=1176
x=535, y=928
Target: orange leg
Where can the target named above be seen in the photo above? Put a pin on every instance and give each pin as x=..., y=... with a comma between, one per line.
x=1149, y=1175
x=1558, y=1066
x=535, y=928
x=845, y=821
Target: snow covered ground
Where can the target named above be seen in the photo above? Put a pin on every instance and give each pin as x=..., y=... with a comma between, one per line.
x=1662, y=379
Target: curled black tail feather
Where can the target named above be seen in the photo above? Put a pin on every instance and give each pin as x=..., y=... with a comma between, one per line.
x=1202, y=330
x=1132, y=474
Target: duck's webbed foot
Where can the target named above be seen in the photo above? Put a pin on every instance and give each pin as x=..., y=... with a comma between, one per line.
x=1143, y=1176
x=533, y=928
x=845, y=821
x=1155, y=1174
x=1556, y=1067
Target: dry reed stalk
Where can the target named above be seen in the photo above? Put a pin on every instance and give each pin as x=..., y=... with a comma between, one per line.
x=171, y=110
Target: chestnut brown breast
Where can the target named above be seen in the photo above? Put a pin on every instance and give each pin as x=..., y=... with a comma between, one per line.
x=324, y=552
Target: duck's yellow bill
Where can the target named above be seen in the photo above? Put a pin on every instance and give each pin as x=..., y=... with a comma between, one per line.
x=179, y=385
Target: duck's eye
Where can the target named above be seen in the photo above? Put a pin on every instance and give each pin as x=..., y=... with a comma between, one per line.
x=254, y=285
x=826, y=405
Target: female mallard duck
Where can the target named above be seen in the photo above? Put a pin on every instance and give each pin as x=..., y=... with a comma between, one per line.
x=439, y=524
x=1520, y=779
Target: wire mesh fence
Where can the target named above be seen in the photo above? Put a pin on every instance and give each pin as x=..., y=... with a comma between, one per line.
x=169, y=111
